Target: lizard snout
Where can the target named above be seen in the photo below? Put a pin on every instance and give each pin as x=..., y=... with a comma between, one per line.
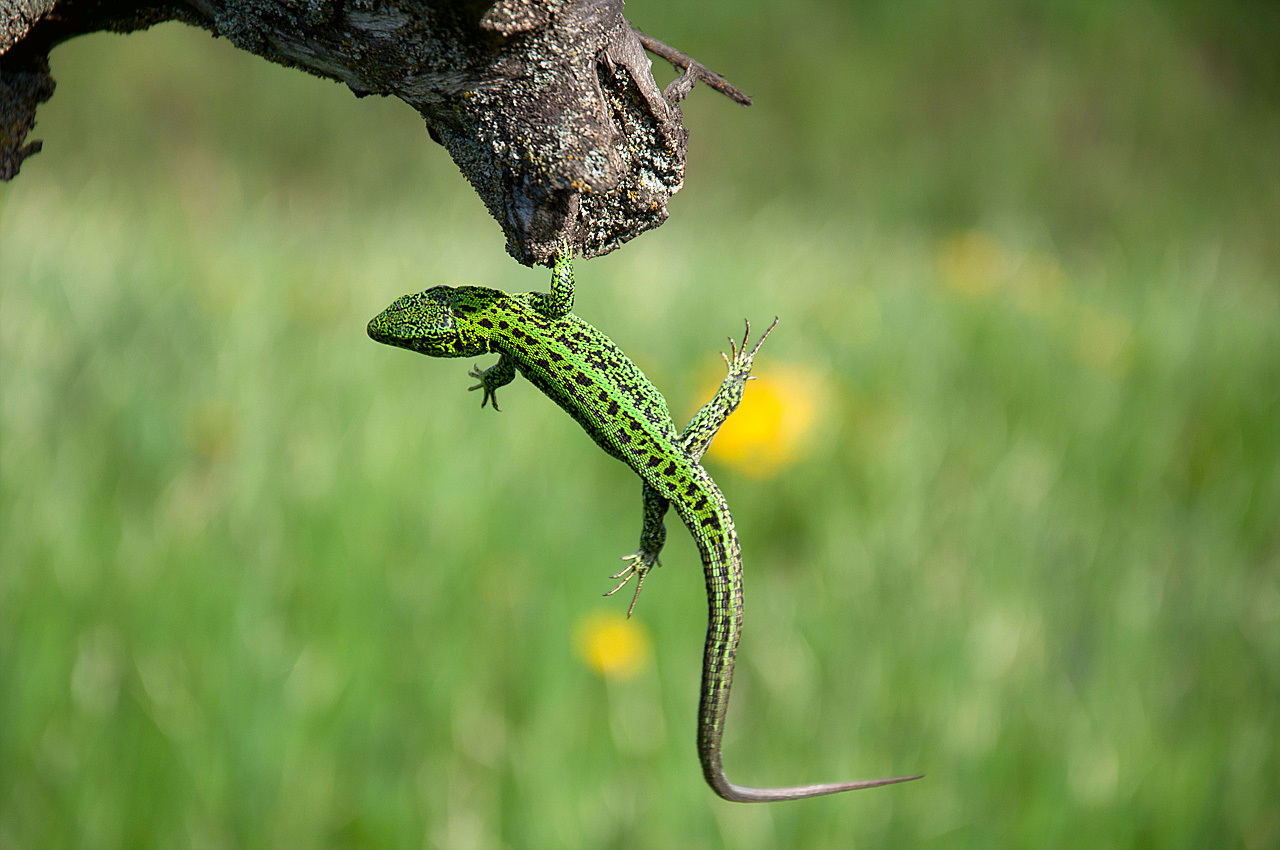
x=418, y=322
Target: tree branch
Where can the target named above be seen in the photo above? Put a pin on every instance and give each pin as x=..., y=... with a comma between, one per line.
x=694, y=70
x=548, y=107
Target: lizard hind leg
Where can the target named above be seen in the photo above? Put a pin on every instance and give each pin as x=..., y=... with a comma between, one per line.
x=640, y=562
x=702, y=429
x=739, y=360
x=694, y=440
x=653, y=535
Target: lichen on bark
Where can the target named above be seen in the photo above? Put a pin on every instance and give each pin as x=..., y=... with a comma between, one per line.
x=548, y=107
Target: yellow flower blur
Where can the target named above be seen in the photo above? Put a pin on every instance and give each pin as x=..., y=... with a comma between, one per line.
x=1104, y=341
x=612, y=645
x=1038, y=285
x=973, y=263
x=773, y=426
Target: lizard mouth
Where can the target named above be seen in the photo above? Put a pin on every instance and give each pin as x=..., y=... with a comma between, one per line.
x=384, y=326
x=395, y=325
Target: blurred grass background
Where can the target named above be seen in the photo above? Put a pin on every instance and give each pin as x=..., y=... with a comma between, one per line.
x=264, y=583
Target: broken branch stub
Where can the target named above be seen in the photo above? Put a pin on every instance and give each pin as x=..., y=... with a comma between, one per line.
x=548, y=107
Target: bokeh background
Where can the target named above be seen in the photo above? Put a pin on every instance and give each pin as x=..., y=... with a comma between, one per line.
x=1008, y=489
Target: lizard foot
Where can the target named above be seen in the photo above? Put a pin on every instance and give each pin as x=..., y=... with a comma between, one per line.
x=640, y=564
x=490, y=392
x=739, y=359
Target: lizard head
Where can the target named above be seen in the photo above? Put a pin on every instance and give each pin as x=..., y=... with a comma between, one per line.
x=433, y=322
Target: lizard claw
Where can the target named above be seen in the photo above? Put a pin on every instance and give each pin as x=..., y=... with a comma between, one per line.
x=490, y=394
x=762, y=338
x=639, y=566
x=739, y=357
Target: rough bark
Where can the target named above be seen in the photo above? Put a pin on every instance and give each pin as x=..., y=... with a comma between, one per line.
x=549, y=107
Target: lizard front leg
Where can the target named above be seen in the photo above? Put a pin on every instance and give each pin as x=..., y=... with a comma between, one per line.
x=498, y=375
x=558, y=303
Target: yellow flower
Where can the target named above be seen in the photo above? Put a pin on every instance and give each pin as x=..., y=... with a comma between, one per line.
x=973, y=263
x=773, y=426
x=612, y=645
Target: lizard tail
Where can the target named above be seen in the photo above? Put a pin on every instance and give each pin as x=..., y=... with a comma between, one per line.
x=711, y=525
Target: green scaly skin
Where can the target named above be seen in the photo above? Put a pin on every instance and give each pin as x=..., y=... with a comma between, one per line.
x=581, y=370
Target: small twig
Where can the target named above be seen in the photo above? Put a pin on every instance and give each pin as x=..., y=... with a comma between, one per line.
x=693, y=71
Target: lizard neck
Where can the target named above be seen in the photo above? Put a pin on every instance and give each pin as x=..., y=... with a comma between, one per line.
x=586, y=375
x=491, y=320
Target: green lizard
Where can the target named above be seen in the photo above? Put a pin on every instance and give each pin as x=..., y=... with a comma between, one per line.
x=581, y=370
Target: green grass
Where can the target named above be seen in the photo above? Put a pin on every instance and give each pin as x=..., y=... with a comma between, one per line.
x=264, y=583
